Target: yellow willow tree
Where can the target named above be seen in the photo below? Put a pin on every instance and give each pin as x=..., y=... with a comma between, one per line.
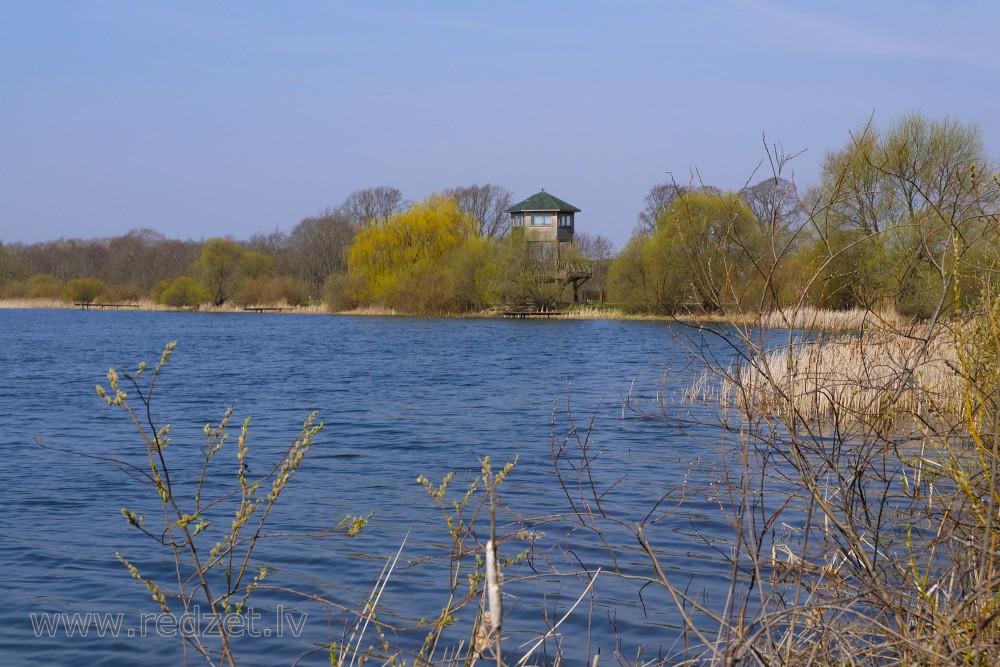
x=386, y=259
x=703, y=255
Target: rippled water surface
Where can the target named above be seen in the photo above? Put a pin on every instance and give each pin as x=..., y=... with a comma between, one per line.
x=399, y=398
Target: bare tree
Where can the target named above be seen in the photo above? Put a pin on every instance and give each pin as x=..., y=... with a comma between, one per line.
x=170, y=258
x=318, y=245
x=127, y=259
x=593, y=246
x=148, y=257
x=488, y=204
x=600, y=251
x=372, y=205
x=775, y=201
x=12, y=267
x=658, y=201
x=277, y=246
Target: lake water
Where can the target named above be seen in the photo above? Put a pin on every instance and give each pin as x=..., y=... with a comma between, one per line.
x=399, y=398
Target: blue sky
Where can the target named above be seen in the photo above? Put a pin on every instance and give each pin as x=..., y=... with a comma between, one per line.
x=211, y=118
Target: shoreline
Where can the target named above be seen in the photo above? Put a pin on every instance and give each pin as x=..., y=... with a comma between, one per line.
x=804, y=318
x=149, y=306
x=281, y=309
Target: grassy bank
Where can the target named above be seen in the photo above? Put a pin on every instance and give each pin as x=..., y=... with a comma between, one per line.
x=802, y=319
x=148, y=305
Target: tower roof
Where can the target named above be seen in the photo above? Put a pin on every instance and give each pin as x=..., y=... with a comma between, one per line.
x=543, y=201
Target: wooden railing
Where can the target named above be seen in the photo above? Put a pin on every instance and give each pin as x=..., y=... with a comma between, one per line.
x=571, y=270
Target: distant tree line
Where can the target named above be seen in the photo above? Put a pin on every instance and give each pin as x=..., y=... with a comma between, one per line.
x=904, y=218
x=879, y=229
x=444, y=254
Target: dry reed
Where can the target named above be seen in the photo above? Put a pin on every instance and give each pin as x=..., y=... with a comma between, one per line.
x=817, y=319
x=876, y=374
x=371, y=311
x=149, y=305
x=803, y=318
x=20, y=304
x=280, y=306
x=596, y=313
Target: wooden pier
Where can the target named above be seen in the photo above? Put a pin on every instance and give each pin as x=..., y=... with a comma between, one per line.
x=83, y=305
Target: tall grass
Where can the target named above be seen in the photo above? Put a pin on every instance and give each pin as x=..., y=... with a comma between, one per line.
x=824, y=319
x=878, y=374
x=15, y=304
x=150, y=305
x=373, y=311
x=595, y=313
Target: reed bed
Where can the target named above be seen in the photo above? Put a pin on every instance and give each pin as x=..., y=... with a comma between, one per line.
x=816, y=319
x=876, y=375
x=149, y=305
x=596, y=313
x=280, y=306
x=19, y=304
x=371, y=311
x=877, y=466
x=805, y=318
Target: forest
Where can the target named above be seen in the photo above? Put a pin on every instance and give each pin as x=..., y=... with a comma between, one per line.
x=896, y=210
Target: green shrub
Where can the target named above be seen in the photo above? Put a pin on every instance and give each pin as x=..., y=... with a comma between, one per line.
x=281, y=289
x=125, y=293
x=44, y=286
x=85, y=290
x=340, y=292
x=14, y=289
x=185, y=292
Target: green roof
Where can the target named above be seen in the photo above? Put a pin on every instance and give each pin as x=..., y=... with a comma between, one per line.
x=543, y=201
